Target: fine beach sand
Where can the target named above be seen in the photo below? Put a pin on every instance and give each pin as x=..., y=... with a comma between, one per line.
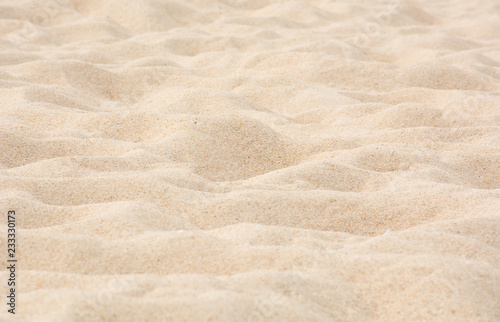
x=251, y=161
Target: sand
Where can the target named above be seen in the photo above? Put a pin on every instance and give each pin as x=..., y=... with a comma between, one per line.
x=250, y=161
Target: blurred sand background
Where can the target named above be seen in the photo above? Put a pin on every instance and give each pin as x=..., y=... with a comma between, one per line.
x=257, y=160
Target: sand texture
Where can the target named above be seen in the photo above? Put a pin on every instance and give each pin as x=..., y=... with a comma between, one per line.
x=226, y=160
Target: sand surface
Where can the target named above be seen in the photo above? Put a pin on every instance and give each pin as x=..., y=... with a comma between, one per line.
x=250, y=161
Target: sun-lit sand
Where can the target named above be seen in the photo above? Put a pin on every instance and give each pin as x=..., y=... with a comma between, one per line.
x=250, y=161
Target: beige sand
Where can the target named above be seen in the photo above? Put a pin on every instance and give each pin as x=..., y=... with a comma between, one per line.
x=266, y=160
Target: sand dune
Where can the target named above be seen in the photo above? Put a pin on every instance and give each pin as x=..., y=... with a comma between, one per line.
x=233, y=160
